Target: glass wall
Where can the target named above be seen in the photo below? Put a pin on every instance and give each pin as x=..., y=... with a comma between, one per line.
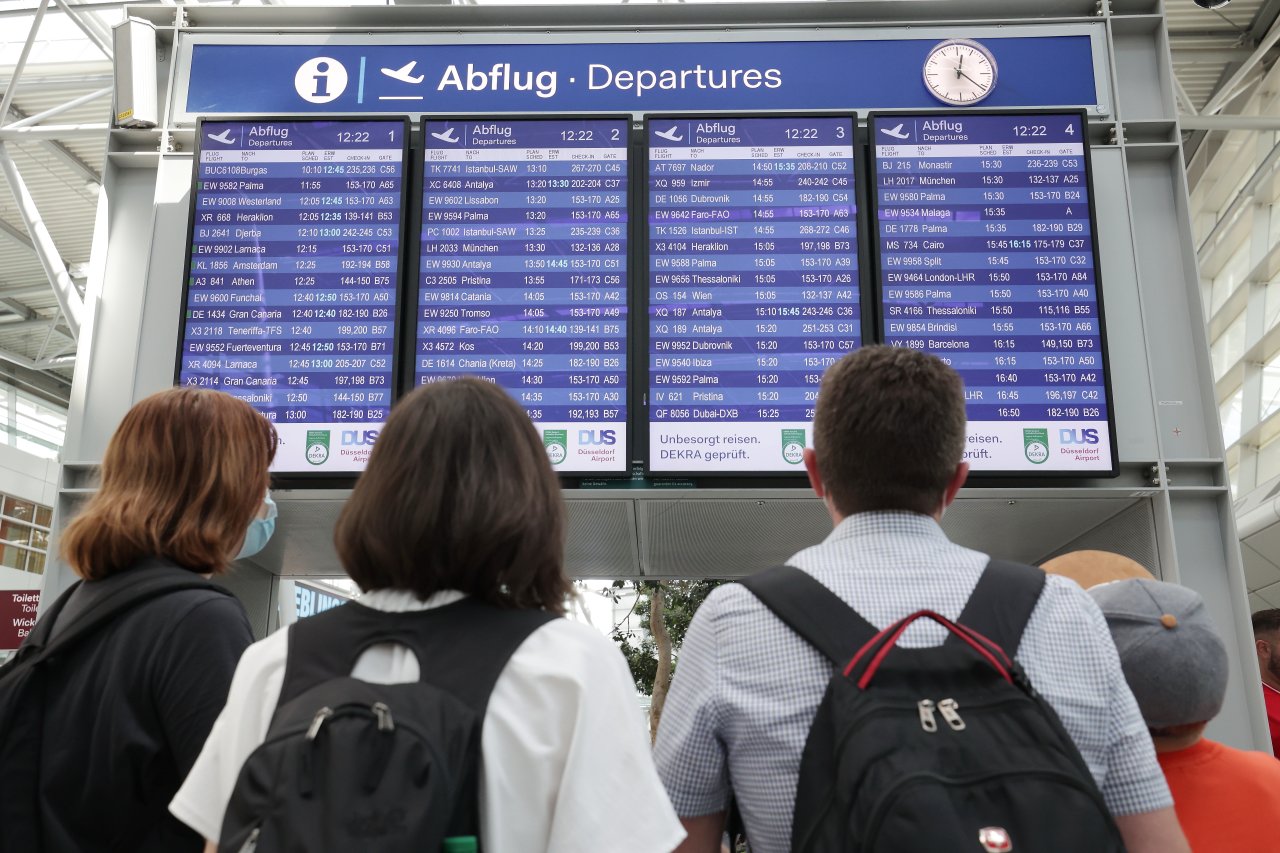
x=1235, y=206
x=30, y=423
x=24, y=534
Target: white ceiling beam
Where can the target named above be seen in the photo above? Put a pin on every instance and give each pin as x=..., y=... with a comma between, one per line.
x=60, y=109
x=62, y=152
x=32, y=364
x=1188, y=105
x=88, y=25
x=1228, y=122
x=1224, y=94
x=16, y=77
x=54, y=131
x=64, y=289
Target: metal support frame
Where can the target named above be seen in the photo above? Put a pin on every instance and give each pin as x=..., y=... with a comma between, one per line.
x=60, y=109
x=62, y=152
x=7, y=100
x=64, y=290
x=89, y=26
x=32, y=364
x=55, y=131
x=1188, y=106
x=1228, y=122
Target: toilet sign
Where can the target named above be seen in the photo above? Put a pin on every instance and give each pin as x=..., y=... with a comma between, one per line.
x=17, y=616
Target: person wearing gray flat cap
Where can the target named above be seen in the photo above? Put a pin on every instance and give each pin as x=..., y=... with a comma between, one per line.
x=1176, y=665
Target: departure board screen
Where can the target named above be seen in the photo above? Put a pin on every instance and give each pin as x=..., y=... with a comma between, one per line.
x=752, y=285
x=987, y=259
x=291, y=288
x=523, y=274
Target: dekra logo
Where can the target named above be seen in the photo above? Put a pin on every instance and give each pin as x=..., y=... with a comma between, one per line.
x=1078, y=436
x=591, y=436
x=357, y=437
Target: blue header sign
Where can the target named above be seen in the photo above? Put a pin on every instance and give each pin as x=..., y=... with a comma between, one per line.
x=1035, y=71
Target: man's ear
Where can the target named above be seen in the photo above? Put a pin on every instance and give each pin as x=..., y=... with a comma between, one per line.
x=954, y=484
x=815, y=476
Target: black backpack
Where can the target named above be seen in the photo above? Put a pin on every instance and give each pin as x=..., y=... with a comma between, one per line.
x=947, y=748
x=352, y=766
x=23, y=687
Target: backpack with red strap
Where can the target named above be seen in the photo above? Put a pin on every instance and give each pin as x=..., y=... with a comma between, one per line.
x=920, y=750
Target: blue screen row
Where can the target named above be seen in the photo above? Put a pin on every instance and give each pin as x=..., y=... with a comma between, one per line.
x=984, y=255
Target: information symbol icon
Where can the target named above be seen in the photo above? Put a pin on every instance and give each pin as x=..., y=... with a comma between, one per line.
x=320, y=80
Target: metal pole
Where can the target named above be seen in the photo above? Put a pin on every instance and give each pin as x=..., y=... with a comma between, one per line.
x=89, y=32
x=1229, y=122
x=1223, y=95
x=64, y=290
x=55, y=131
x=1183, y=98
x=58, y=110
x=22, y=60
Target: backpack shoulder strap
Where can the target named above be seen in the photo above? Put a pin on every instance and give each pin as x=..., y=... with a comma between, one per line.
x=1002, y=603
x=43, y=642
x=811, y=610
x=461, y=647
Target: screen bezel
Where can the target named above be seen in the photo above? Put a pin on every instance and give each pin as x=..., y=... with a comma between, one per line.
x=758, y=478
x=409, y=346
x=288, y=478
x=1000, y=476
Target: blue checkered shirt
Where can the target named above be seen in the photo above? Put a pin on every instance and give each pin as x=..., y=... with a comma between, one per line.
x=747, y=688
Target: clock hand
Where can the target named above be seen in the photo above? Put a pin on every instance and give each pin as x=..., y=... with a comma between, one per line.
x=971, y=80
x=959, y=66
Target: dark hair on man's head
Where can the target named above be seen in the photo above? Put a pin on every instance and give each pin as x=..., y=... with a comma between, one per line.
x=1266, y=622
x=183, y=475
x=458, y=494
x=889, y=430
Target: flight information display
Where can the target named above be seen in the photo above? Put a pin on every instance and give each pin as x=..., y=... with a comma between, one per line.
x=290, y=299
x=752, y=285
x=523, y=274
x=986, y=257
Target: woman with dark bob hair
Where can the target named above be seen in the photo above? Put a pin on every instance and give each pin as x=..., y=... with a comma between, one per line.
x=458, y=520
x=127, y=709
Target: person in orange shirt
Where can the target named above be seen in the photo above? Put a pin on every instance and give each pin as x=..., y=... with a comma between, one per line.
x=1176, y=664
x=1266, y=639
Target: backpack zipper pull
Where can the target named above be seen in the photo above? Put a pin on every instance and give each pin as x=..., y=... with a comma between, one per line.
x=947, y=707
x=383, y=713
x=927, y=721
x=321, y=715
x=251, y=843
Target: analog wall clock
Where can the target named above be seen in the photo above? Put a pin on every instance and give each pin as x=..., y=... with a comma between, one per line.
x=960, y=72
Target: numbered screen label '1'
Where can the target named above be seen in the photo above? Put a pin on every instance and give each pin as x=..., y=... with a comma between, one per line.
x=985, y=241
x=294, y=269
x=753, y=286
x=523, y=277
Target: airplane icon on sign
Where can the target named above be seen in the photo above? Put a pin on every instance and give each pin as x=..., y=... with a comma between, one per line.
x=224, y=137
x=896, y=132
x=670, y=135
x=450, y=135
x=404, y=73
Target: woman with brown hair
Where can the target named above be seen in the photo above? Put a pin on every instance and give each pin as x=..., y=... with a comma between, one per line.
x=127, y=709
x=454, y=532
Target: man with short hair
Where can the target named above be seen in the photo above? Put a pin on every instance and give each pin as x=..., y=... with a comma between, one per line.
x=888, y=459
x=1266, y=640
x=1176, y=664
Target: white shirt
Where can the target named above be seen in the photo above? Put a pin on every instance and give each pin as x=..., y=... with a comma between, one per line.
x=565, y=764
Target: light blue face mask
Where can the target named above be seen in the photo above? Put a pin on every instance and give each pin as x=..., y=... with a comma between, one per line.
x=259, y=532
